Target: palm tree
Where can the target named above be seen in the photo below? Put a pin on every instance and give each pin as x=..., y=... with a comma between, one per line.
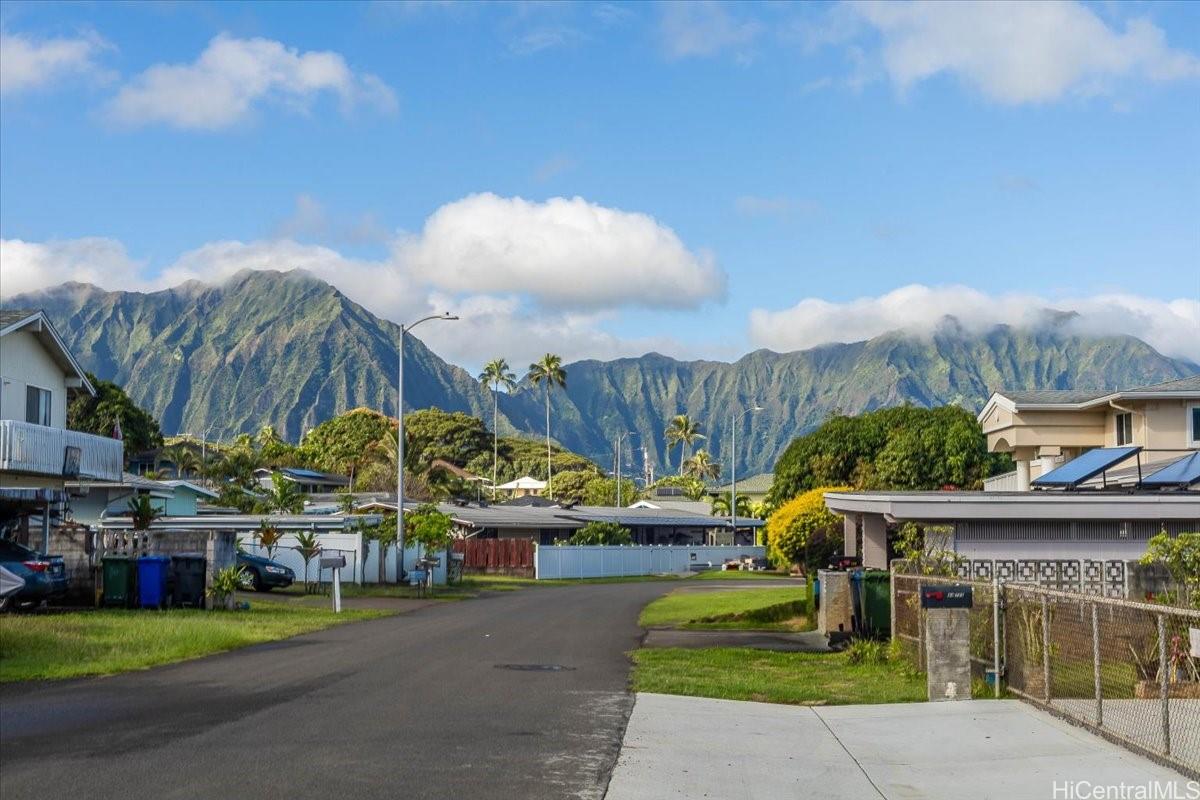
x=548, y=372
x=307, y=546
x=702, y=466
x=187, y=463
x=143, y=512
x=496, y=374
x=683, y=431
x=720, y=506
x=284, y=497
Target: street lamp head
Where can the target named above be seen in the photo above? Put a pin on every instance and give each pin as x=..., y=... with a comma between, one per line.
x=448, y=315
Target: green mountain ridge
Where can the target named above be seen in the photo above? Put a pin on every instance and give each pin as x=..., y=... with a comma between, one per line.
x=289, y=350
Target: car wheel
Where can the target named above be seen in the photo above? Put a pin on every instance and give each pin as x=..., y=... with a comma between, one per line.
x=250, y=580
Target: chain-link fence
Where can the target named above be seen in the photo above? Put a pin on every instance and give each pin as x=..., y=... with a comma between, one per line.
x=1124, y=669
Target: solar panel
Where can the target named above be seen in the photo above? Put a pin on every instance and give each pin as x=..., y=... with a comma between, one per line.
x=1086, y=466
x=1184, y=472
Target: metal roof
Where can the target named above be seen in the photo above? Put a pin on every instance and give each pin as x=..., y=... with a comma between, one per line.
x=955, y=506
x=249, y=522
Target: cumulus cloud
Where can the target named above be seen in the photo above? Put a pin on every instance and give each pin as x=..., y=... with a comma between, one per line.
x=1172, y=327
x=28, y=63
x=1020, y=52
x=704, y=29
x=28, y=266
x=232, y=76
x=565, y=253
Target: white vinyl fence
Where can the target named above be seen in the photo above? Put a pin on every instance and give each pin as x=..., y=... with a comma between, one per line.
x=362, y=558
x=602, y=561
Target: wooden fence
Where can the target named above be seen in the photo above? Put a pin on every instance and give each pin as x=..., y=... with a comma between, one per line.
x=505, y=556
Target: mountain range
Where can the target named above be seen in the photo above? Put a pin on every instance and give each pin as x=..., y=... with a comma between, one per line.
x=289, y=350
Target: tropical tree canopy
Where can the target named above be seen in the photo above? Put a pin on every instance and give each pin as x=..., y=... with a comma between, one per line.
x=284, y=497
x=143, y=512
x=683, y=431
x=428, y=527
x=99, y=415
x=804, y=531
x=701, y=466
x=498, y=375
x=1181, y=556
x=548, y=370
x=693, y=489
x=609, y=533
x=720, y=505
x=338, y=443
x=905, y=447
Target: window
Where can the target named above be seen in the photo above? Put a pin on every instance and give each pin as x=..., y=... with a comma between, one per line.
x=1124, y=429
x=1194, y=429
x=37, y=405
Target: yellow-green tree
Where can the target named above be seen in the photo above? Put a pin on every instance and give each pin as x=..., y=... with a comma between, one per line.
x=804, y=531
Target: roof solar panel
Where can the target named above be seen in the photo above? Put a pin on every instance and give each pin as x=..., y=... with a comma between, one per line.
x=1184, y=472
x=1086, y=466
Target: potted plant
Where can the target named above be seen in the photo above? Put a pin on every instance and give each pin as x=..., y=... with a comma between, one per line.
x=227, y=581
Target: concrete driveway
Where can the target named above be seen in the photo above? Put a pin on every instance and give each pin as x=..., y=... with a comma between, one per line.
x=979, y=749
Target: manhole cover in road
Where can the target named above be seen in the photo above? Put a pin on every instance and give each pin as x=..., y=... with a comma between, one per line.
x=535, y=667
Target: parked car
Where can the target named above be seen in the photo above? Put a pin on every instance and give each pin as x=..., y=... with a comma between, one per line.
x=263, y=574
x=45, y=576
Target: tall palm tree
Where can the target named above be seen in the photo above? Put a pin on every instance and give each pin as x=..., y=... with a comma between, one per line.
x=496, y=373
x=683, y=431
x=549, y=372
x=702, y=466
x=187, y=463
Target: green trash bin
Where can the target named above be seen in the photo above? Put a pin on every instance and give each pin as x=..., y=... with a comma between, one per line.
x=877, y=602
x=120, y=581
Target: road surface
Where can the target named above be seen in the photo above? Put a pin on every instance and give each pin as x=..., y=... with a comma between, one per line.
x=419, y=705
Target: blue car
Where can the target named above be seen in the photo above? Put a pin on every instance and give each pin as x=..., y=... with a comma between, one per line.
x=45, y=576
x=263, y=574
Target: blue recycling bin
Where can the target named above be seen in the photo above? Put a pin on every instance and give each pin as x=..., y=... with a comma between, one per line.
x=152, y=581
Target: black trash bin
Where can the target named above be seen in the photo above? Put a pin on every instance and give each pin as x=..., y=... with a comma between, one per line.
x=187, y=580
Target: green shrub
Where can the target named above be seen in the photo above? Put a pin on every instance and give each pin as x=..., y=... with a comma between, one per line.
x=868, y=651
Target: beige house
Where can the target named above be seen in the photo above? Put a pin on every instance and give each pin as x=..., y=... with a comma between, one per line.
x=524, y=487
x=1045, y=429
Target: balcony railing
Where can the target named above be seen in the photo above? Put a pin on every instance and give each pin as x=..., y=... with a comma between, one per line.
x=30, y=449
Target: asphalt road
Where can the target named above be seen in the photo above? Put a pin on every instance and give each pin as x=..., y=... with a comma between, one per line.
x=410, y=706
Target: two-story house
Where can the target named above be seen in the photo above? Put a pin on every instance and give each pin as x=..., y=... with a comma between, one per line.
x=1045, y=429
x=38, y=455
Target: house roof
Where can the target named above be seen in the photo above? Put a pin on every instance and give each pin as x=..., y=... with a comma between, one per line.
x=955, y=506
x=690, y=506
x=16, y=319
x=756, y=484
x=298, y=474
x=524, y=482
x=128, y=481
x=200, y=490
x=249, y=522
x=507, y=516
x=1083, y=399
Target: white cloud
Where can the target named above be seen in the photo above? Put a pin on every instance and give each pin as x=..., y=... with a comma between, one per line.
x=223, y=86
x=28, y=266
x=29, y=63
x=1020, y=52
x=704, y=29
x=1172, y=327
x=563, y=253
x=544, y=38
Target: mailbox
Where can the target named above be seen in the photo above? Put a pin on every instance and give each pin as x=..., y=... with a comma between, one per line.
x=333, y=562
x=946, y=595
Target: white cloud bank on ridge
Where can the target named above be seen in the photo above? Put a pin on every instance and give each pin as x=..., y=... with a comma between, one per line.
x=27, y=62
x=566, y=253
x=224, y=84
x=1170, y=326
x=1016, y=51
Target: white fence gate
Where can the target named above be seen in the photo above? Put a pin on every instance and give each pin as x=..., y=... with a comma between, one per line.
x=602, y=561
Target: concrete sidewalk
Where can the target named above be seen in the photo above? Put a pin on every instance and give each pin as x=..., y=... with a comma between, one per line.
x=1003, y=749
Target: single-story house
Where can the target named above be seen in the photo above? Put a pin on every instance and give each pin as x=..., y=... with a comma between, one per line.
x=523, y=486
x=186, y=497
x=308, y=481
x=90, y=501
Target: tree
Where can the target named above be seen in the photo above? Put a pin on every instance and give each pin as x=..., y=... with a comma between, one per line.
x=431, y=433
x=143, y=512
x=339, y=443
x=100, y=415
x=496, y=374
x=804, y=531
x=549, y=373
x=608, y=533
x=700, y=466
x=308, y=547
x=385, y=535
x=683, y=431
x=284, y=497
x=427, y=527
x=268, y=538
x=904, y=447
x=602, y=491
x=187, y=463
x=720, y=506
x=273, y=450
x=1181, y=556
x=693, y=489
x=346, y=502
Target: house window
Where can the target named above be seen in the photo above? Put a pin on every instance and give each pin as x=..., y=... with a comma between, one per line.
x=37, y=405
x=1194, y=429
x=1124, y=429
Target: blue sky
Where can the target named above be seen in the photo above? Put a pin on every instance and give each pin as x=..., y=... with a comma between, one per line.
x=606, y=179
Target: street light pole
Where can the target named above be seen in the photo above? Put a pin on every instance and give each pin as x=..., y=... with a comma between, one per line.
x=734, y=419
x=400, y=442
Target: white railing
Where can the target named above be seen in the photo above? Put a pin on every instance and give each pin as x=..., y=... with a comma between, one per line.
x=40, y=450
x=1005, y=482
x=602, y=561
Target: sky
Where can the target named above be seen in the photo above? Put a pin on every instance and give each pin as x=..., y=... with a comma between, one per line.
x=603, y=180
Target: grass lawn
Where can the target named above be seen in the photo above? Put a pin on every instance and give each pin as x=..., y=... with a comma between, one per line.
x=755, y=609
x=738, y=575
x=735, y=673
x=103, y=642
x=472, y=585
